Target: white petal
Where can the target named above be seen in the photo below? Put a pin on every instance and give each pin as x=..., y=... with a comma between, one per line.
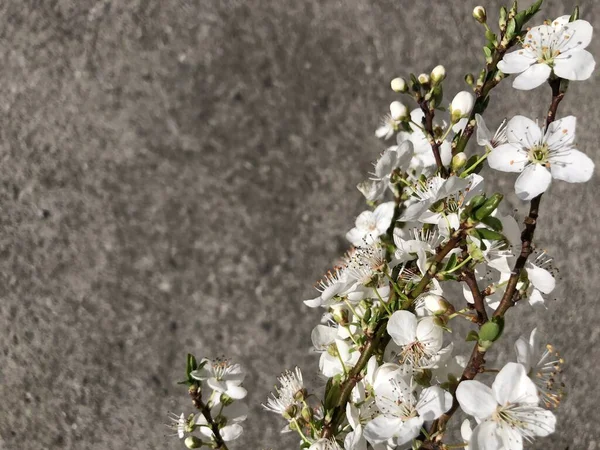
x=236, y=392
x=231, y=432
x=430, y=334
x=533, y=181
x=356, y=237
x=483, y=133
x=541, y=278
x=572, y=166
x=433, y=402
x=511, y=437
x=507, y=158
x=543, y=423
x=465, y=430
x=524, y=353
x=579, y=34
x=476, y=399
x=536, y=299
x=561, y=133
x=516, y=62
x=523, y=131
x=402, y=327
x=322, y=336
x=386, y=163
x=415, y=211
x=381, y=428
x=383, y=216
x=512, y=385
x=408, y=431
x=485, y=437
x=574, y=65
x=533, y=77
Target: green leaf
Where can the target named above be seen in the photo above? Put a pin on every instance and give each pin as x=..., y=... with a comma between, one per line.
x=533, y=9
x=451, y=262
x=472, y=336
x=191, y=365
x=490, y=36
x=575, y=15
x=489, y=234
x=488, y=54
x=511, y=29
x=492, y=222
x=488, y=207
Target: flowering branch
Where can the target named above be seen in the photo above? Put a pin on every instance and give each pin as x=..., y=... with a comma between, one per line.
x=468, y=276
x=196, y=395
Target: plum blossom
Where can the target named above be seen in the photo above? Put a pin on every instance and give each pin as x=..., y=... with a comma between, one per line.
x=286, y=396
x=556, y=48
x=403, y=409
x=371, y=224
x=485, y=137
x=542, y=367
x=232, y=414
x=222, y=376
x=539, y=157
x=507, y=413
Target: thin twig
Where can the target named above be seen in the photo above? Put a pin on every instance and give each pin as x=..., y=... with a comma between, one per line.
x=468, y=276
x=196, y=395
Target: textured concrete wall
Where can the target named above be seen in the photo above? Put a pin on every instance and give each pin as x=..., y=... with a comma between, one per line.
x=175, y=175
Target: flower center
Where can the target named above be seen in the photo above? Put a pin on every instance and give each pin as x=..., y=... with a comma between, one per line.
x=539, y=154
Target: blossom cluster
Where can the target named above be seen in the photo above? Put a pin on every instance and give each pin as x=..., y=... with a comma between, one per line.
x=390, y=353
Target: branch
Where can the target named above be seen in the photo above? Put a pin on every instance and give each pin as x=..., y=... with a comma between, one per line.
x=468, y=276
x=196, y=395
x=435, y=145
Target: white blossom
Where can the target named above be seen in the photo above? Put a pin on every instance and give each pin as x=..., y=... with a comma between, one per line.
x=540, y=157
x=222, y=376
x=551, y=48
x=371, y=224
x=287, y=394
x=234, y=414
x=507, y=413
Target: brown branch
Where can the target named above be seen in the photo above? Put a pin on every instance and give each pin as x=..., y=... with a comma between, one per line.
x=196, y=395
x=511, y=296
x=435, y=145
x=468, y=276
x=379, y=339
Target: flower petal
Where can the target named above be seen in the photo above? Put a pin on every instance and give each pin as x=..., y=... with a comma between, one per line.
x=231, y=432
x=574, y=65
x=430, y=334
x=516, y=62
x=236, y=392
x=577, y=35
x=541, y=278
x=381, y=428
x=523, y=131
x=533, y=181
x=476, y=399
x=383, y=216
x=524, y=353
x=486, y=436
x=408, y=431
x=512, y=385
x=402, y=327
x=572, y=166
x=507, y=158
x=561, y=133
x=433, y=402
x=533, y=77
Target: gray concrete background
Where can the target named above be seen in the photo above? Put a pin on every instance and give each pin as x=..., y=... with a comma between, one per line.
x=176, y=174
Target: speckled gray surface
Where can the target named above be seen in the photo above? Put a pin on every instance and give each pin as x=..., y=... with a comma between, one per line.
x=176, y=175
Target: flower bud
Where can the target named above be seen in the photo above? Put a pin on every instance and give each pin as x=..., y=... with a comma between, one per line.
x=470, y=79
x=438, y=74
x=424, y=78
x=437, y=304
x=193, y=442
x=461, y=106
x=480, y=14
x=399, y=85
x=458, y=161
x=398, y=111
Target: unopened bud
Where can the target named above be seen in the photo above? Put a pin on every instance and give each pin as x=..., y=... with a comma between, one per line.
x=424, y=78
x=470, y=79
x=438, y=74
x=193, y=442
x=398, y=111
x=461, y=105
x=399, y=85
x=437, y=304
x=480, y=14
x=459, y=160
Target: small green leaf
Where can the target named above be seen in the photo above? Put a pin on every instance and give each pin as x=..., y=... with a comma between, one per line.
x=488, y=54
x=490, y=235
x=472, y=336
x=451, y=262
x=492, y=222
x=488, y=207
x=575, y=15
x=511, y=28
x=191, y=365
x=490, y=36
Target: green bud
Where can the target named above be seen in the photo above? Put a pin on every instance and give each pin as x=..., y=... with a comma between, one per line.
x=477, y=201
x=424, y=79
x=458, y=161
x=193, y=442
x=479, y=14
x=488, y=207
x=470, y=79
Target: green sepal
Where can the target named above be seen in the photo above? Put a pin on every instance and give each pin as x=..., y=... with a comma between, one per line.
x=191, y=365
x=451, y=262
x=488, y=54
x=332, y=393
